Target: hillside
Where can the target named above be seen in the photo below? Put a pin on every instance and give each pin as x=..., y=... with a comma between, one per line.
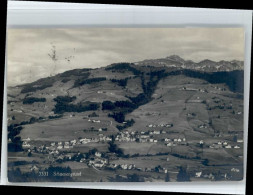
x=126, y=111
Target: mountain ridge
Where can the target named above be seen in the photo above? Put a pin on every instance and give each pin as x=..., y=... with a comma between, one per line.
x=204, y=65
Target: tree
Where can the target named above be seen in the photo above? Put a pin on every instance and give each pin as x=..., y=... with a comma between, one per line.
x=235, y=138
x=29, y=154
x=167, y=177
x=183, y=175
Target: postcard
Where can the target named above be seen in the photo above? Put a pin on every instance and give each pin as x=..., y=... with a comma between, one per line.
x=125, y=104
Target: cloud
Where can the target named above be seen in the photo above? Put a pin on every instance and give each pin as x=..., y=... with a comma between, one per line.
x=95, y=47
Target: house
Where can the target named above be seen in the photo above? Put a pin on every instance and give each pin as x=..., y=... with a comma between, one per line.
x=151, y=140
x=98, y=154
x=98, y=164
x=66, y=143
x=169, y=144
x=235, y=170
x=169, y=125
x=167, y=139
x=236, y=147
x=219, y=143
x=59, y=147
x=239, y=140
x=228, y=146
x=73, y=142
x=184, y=139
x=157, y=132
x=34, y=168
x=198, y=174
x=52, y=144
x=224, y=143
x=124, y=166
x=155, y=140
x=108, y=139
x=82, y=160
x=59, y=143
x=100, y=129
x=68, y=156
x=27, y=139
x=179, y=140
x=25, y=145
x=175, y=140
x=66, y=146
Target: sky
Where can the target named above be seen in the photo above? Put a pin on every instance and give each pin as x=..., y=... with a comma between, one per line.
x=28, y=49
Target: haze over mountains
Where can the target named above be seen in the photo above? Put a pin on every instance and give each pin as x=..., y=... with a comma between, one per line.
x=204, y=65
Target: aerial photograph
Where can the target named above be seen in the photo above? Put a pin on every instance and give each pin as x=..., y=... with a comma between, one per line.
x=125, y=104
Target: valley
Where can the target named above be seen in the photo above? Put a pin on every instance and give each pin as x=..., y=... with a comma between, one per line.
x=128, y=122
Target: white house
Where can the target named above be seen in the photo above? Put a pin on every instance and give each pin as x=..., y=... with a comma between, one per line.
x=98, y=164
x=239, y=140
x=198, y=174
x=228, y=146
x=155, y=140
x=98, y=154
x=59, y=147
x=73, y=142
x=123, y=166
x=34, y=168
x=26, y=145
x=169, y=144
x=236, y=147
x=235, y=170
x=27, y=139
x=179, y=140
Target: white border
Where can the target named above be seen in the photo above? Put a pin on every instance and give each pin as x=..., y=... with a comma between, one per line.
x=50, y=15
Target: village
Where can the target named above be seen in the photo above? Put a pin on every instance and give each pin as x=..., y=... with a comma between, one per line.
x=60, y=151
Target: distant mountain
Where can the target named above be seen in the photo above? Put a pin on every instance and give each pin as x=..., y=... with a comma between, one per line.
x=204, y=65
